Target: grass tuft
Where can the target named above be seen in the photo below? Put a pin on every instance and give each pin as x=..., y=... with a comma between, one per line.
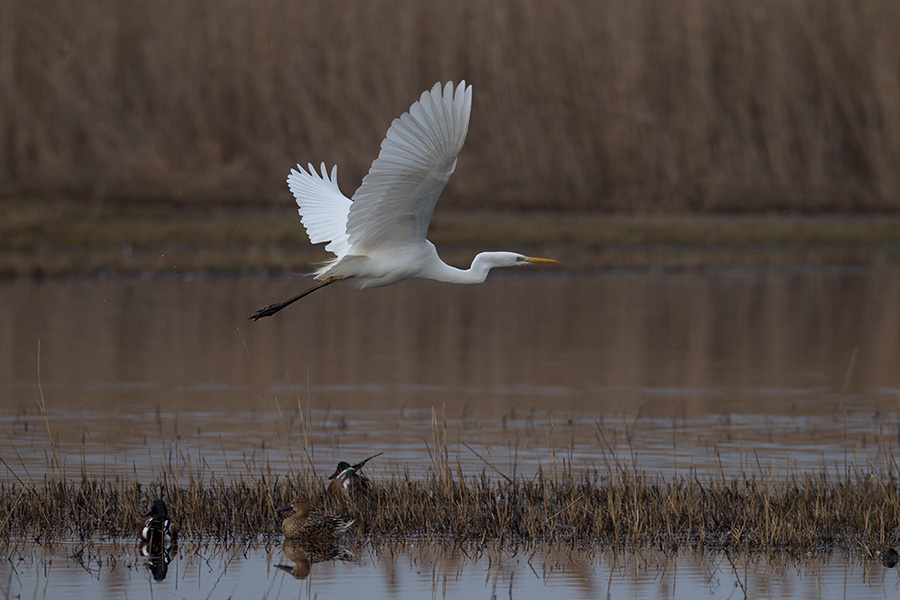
x=858, y=512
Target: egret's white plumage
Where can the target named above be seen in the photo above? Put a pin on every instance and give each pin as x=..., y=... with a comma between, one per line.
x=323, y=208
x=378, y=237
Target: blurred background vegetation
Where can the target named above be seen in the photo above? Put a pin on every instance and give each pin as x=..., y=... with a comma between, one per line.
x=152, y=135
x=645, y=106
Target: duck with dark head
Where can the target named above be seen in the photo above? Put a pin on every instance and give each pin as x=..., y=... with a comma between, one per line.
x=158, y=539
x=348, y=479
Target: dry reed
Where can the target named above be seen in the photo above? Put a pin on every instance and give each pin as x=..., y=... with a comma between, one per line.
x=694, y=105
x=857, y=512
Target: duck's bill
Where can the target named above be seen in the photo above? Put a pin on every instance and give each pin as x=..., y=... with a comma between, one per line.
x=547, y=261
x=284, y=508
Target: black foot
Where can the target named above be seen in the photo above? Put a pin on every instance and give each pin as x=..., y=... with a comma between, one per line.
x=274, y=308
x=267, y=311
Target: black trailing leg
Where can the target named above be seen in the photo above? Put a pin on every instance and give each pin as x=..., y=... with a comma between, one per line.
x=271, y=309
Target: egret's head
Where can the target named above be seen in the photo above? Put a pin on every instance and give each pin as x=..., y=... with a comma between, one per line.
x=531, y=260
x=510, y=259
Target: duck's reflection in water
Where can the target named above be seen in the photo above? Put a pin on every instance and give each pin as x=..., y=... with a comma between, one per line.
x=158, y=558
x=304, y=555
x=158, y=539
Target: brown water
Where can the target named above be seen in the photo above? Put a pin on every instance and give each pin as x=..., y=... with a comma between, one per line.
x=711, y=372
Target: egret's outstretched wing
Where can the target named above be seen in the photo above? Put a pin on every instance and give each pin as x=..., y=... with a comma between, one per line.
x=323, y=208
x=418, y=155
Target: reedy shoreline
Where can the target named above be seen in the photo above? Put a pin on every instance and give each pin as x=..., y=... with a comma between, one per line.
x=856, y=512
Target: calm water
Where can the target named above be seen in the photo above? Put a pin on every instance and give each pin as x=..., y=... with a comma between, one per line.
x=414, y=571
x=767, y=372
x=728, y=370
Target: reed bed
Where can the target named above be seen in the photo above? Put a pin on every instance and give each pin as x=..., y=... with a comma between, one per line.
x=691, y=105
x=858, y=512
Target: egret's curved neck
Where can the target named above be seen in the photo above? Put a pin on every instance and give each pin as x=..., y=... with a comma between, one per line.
x=477, y=273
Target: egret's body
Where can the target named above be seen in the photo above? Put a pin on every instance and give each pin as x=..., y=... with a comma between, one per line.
x=378, y=237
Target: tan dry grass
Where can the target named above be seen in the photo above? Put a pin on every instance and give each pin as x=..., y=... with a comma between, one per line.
x=856, y=512
x=691, y=105
x=615, y=506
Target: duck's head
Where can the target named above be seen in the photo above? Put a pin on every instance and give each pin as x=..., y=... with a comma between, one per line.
x=297, y=507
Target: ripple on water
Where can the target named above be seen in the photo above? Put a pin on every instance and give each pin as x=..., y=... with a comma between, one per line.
x=420, y=570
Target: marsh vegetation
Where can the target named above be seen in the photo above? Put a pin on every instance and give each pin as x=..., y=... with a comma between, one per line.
x=799, y=514
x=738, y=106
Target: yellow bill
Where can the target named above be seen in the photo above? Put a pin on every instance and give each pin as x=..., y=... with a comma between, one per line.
x=548, y=261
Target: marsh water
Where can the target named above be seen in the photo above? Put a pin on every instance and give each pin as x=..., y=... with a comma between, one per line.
x=708, y=373
x=417, y=571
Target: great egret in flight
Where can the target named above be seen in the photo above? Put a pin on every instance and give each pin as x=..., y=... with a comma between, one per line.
x=378, y=237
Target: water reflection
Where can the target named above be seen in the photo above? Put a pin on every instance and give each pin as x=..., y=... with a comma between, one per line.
x=304, y=555
x=158, y=539
x=890, y=557
x=445, y=571
x=709, y=372
x=158, y=559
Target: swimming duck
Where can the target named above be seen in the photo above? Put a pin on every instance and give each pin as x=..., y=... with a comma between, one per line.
x=158, y=534
x=303, y=522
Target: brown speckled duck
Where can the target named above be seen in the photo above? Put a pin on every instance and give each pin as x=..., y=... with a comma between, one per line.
x=305, y=523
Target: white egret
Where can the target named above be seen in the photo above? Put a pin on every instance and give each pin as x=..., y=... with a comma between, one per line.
x=378, y=237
